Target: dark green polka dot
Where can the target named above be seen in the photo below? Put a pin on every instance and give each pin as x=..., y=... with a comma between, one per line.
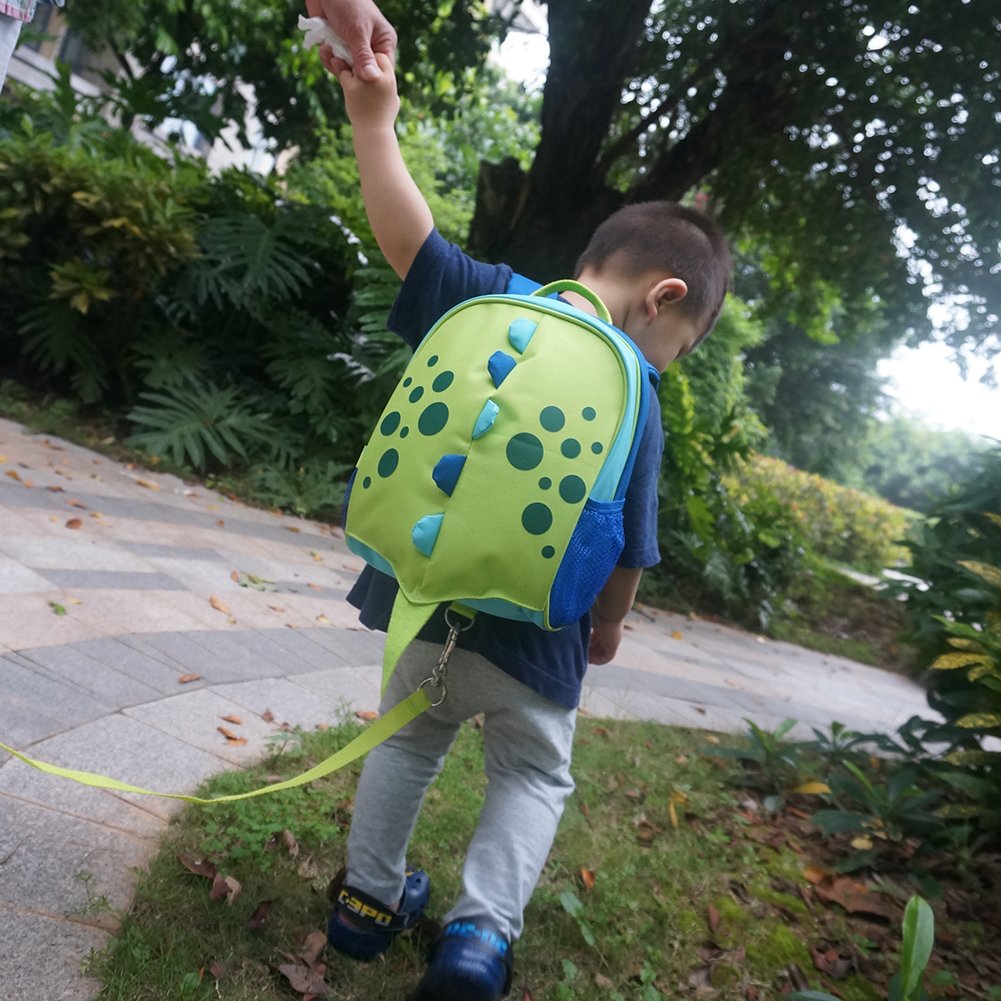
x=433, y=418
x=548, y=552
x=524, y=451
x=537, y=519
x=407, y=382
x=588, y=413
x=597, y=448
x=572, y=489
x=552, y=419
x=570, y=448
x=416, y=393
x=390, y=423
x=404, y=432
x=442, y=382
x=367, y=482
x=388, y=462
x=545, y=483
x=432, y=361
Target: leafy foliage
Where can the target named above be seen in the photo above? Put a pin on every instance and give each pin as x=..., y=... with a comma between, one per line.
x=836, y=522
x=868, y=146
x=210, y=309
x=191, y=53
x=190, y=424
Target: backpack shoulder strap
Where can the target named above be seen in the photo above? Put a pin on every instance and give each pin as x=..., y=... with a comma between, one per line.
x=520, y=285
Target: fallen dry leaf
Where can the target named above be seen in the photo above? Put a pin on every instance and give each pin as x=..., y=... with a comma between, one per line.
x=12, y=473
x=713, y=916
x=308, y=980
x=314, y=587
x=260, y=915
x=55, y=489
x=74, y=523
x=76, y=503
x=291, y=528
x=677, y=634
x=854, y=897
x=277, y=608
x=200, y=867
x=367, y=715
x=148, y=484
x=323, y=620
x=587, y=878
x=600, y=980
x=286, y=838
x=831, y=961
x=217, y=970
x=227, y=733
x=186, y=679
x=225, y=888
x=231, y=718
x=235, y=576
x=219, y=605
x=268, y=716
x=312, y=948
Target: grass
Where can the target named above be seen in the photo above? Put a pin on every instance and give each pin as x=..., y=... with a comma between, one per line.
x=658, y=881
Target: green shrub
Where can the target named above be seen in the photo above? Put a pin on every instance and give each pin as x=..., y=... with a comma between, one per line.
x=839, y=523
x=211, y=312
x=714, y=556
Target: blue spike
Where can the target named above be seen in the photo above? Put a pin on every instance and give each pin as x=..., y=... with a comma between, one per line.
x=425, y=532
x=446, y=472
x=520, y=333
x=499, y=365
x=486, y=419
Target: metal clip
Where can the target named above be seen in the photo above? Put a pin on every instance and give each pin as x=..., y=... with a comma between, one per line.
x=437, y=676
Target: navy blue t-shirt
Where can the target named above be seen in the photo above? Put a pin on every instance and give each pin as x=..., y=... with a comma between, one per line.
x=550, y=663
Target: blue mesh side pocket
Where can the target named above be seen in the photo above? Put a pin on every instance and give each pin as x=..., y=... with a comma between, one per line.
x=591, y=556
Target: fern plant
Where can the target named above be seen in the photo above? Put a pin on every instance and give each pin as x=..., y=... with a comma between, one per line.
x=193, y=423
x=315, y=489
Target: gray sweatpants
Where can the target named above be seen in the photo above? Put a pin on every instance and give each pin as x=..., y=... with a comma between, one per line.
x=527, y=746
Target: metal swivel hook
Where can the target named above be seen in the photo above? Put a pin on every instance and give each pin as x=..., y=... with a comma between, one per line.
x=456, y=625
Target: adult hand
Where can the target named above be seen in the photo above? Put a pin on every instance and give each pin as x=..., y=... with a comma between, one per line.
x=364, y=29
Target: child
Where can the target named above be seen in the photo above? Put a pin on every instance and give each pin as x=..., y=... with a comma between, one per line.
x=662, y=270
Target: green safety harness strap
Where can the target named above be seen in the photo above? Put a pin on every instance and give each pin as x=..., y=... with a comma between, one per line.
x=382, y=729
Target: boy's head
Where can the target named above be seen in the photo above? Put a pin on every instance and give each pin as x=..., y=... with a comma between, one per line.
x=671, y=266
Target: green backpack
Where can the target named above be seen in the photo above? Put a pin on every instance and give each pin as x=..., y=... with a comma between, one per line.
x=495, y=477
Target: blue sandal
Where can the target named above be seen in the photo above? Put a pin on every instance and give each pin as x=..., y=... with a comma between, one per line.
x=362, y=927
x=469, y=962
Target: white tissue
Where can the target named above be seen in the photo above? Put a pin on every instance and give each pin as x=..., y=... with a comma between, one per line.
x=318, y=32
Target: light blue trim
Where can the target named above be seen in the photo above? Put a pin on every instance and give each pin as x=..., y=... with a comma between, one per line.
x=425, y=532
x=504, y=609
x=486, y=419
x=369, y=555
x=520, y=333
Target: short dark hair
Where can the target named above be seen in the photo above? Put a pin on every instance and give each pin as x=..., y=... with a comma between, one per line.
x=686, y=243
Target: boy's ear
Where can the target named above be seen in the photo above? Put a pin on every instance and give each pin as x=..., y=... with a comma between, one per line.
x=666, y=292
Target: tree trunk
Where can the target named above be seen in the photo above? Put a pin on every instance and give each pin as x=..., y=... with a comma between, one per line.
x=539, y=222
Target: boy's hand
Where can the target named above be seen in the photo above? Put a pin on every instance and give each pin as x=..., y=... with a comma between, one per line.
x=371, y=104
x=362, y=26
x=605, y=639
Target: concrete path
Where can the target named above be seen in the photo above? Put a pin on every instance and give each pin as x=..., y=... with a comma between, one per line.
x=126, y=636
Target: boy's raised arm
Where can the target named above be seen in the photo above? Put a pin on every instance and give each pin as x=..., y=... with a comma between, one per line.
x=399, y=215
